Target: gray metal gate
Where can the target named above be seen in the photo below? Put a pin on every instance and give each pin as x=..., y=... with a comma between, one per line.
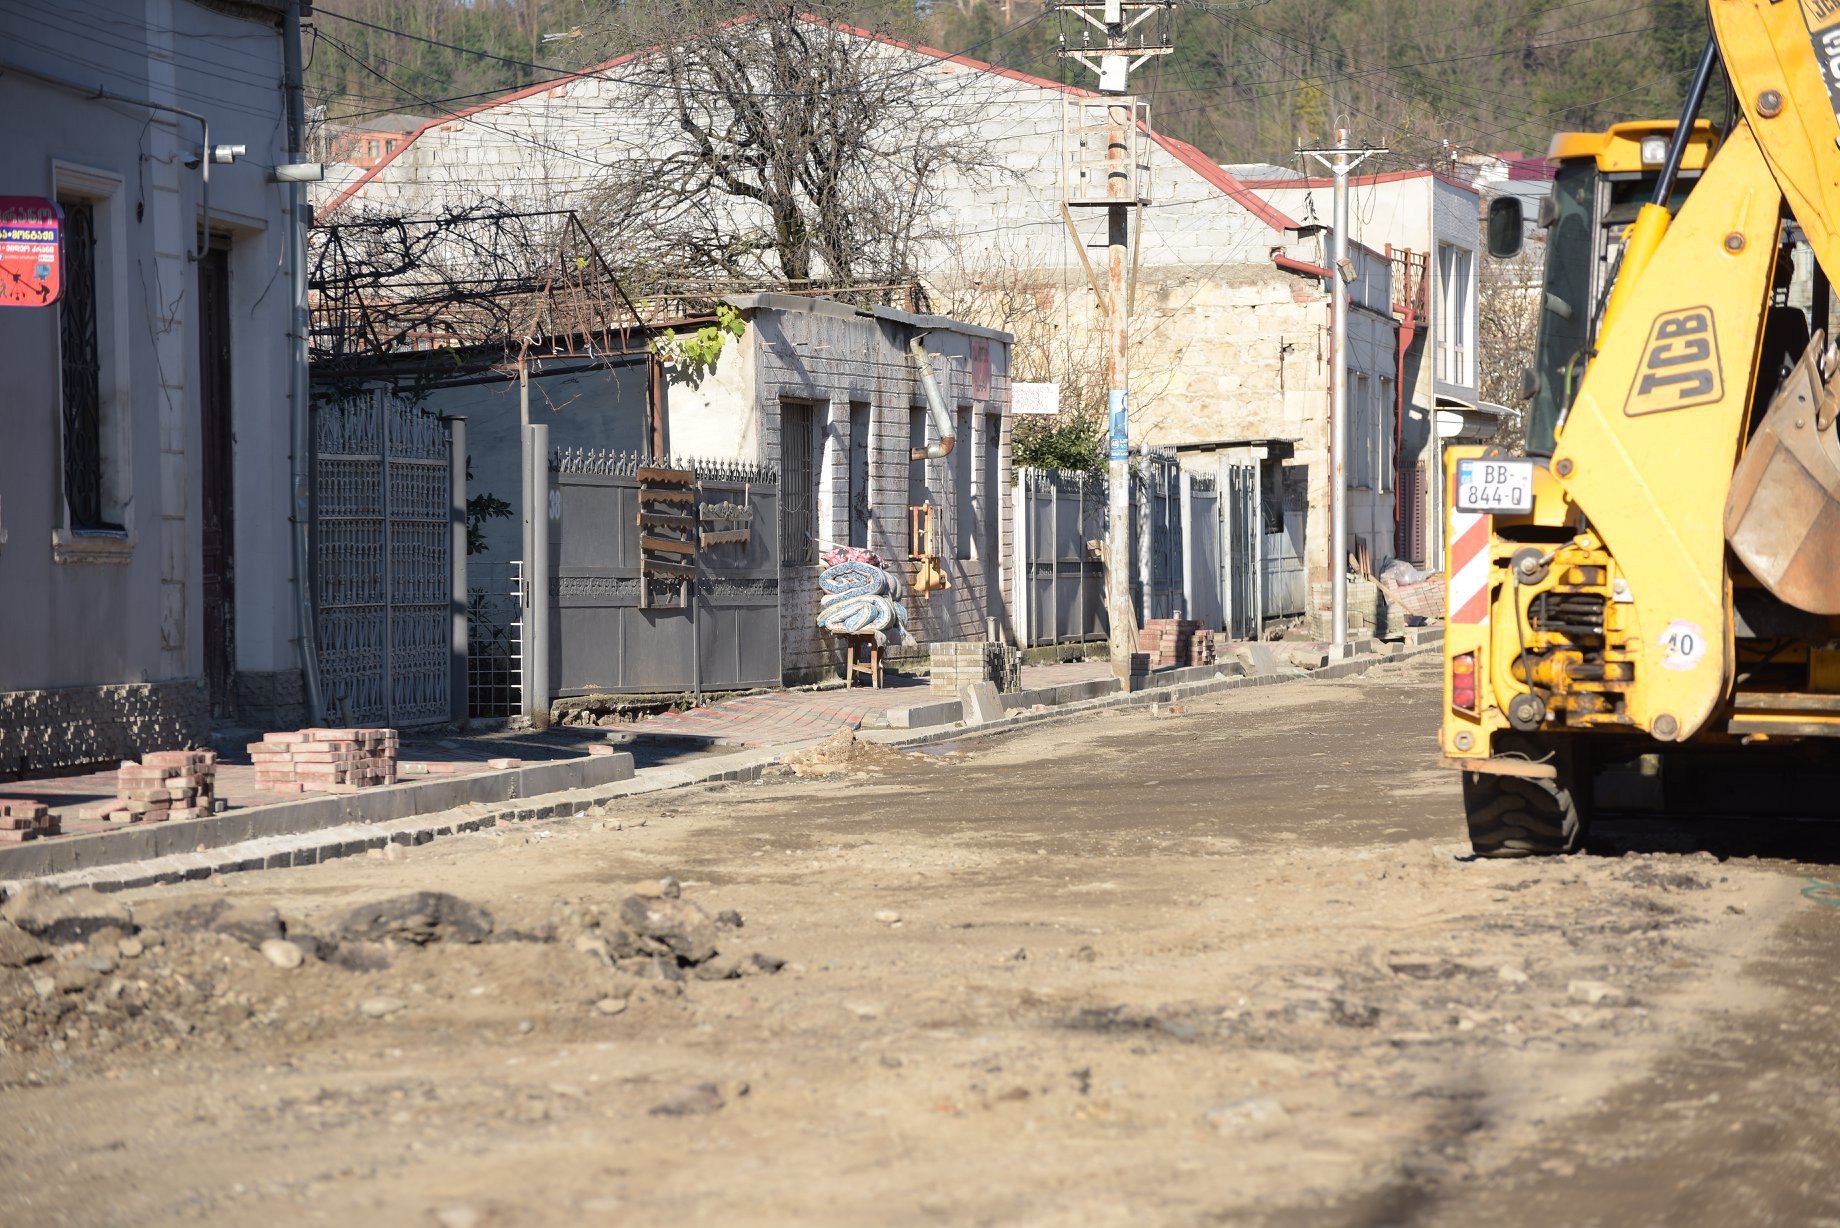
x=1060, y=571
x=1242, y=535
x=1060, y=562
x=1203, y=557
x=1159, y=561
x=383, y=574
x=603, y=638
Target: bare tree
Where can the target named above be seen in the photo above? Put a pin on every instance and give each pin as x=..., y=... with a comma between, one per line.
x=788, y=151
x=1509, y=301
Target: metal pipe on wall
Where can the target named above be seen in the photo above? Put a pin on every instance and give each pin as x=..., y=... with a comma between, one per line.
x=935, y=404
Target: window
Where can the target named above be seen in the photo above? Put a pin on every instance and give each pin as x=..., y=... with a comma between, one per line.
x=370, y=149
x=964, y=517
x=1360, y=434
x=798, y=491
x=90, y=328
x=861, y=511
x=80, y=371
x=389, y=147
x=992, y=492
x=918, y=492
x=1456, y=348
x=1384, y=477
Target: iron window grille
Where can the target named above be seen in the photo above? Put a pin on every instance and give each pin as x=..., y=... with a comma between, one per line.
x=81, y=362
x=798, y=489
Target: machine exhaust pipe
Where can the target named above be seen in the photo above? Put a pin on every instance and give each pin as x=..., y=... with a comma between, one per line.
x=935, y=404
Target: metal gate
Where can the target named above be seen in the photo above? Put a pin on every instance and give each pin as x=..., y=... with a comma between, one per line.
x=1059, y=569
x=1242, y=535
x=1156, y=562
x=1203, y=561
x=604, y=638
x=383, y=555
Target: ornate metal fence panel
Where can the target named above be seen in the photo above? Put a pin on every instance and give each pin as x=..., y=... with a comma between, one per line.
x=604, y=640
x=383, y=561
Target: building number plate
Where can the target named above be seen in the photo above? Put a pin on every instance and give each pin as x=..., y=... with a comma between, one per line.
x=1495, y=486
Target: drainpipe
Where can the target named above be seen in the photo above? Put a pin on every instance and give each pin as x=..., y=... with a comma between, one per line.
x=935, y=404
x=1402, y=341
x=299, y=423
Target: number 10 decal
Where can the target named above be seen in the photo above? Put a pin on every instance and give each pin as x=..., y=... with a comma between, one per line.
x=1683, y=645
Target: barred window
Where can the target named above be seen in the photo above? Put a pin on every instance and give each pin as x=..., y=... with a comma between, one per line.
x=798, y=495
x=81, y=369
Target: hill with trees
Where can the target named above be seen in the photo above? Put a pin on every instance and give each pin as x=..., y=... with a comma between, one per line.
x=1248, y=80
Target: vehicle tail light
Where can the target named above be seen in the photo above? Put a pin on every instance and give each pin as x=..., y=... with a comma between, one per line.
x=1463, y=682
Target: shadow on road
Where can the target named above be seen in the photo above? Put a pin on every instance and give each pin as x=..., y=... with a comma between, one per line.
x=1811, y=841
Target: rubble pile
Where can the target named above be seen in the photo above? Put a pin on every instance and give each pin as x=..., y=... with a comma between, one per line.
x=22, y=820
x=844, y=752
x=1176, y=642
x=325, y=760
x=165, y=784
x=656, y=934
x=84, y=972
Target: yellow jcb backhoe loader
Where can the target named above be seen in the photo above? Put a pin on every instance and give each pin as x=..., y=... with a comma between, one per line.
x=1642, y=610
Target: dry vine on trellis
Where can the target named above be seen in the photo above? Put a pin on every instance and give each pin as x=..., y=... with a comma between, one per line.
x=382, y=284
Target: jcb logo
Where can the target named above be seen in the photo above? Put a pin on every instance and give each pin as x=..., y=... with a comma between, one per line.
x=1680, y=366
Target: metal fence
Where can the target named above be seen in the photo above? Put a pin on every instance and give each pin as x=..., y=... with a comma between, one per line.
x=494, y=638
x=1176, y=544
x=383, y=529
x=605, y=637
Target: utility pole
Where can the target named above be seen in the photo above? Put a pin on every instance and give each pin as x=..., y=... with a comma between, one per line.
x=1339, y=161
x=1112, y=180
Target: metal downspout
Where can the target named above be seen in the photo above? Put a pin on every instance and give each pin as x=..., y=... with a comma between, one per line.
x=299, y=420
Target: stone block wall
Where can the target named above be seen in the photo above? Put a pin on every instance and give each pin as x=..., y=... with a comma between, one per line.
x=78, y=726
x=960, y=663
x=271, y=699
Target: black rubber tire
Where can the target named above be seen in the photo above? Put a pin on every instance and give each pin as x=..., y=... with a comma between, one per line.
x=1518, y=816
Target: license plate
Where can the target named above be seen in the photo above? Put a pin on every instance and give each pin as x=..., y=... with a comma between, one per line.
x=1495, y=486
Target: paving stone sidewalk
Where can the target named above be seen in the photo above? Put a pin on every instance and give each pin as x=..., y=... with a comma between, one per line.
x=781, y=718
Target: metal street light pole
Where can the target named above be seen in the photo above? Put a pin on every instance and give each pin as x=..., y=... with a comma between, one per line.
x=1340, y=161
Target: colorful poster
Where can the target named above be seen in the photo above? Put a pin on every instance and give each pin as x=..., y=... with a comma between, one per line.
x=30, y=271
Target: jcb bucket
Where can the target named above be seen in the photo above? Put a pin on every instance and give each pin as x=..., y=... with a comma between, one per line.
x=1782, y=517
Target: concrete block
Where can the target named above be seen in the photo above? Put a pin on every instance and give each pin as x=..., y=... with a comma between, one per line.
x=923, y=716
x=982, y=702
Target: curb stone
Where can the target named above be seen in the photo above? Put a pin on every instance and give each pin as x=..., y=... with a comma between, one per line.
x=355, y=839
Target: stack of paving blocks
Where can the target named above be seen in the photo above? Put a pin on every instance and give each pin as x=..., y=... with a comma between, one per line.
x=22, y=820
x=960, y=663
x=1367, y=612
x=165, y=784
x=1176, y=642
x=325, y=760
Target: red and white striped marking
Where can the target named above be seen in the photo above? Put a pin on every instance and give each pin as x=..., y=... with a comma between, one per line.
x=1468, y=567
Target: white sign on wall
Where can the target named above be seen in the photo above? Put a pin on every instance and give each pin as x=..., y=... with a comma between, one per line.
x=1034, y=398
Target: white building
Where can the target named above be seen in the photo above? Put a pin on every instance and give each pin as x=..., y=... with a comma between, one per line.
x=1428, y=225
x=144, y=485
x=1232, y=308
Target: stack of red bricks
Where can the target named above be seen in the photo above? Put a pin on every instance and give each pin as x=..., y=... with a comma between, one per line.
x=1176, y=642
x=22, y=820
x=325, y=760
x=165, y=784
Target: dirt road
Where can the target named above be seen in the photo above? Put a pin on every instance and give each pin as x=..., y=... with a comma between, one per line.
x=1224, y=966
